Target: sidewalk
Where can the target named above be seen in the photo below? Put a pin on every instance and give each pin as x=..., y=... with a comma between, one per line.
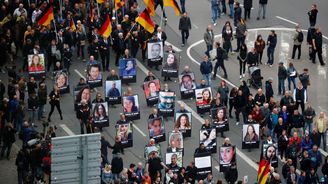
x=8, y=173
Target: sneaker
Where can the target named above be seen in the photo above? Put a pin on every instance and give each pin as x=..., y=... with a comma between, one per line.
x=165, y=19
x=270, y=66
x=243, y=75
x=258, y=18
x=215, y=24
x=240, y=77
x=237, y=123
x=182, y=45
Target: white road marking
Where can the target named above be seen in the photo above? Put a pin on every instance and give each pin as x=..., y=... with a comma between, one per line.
x=138, y=129
x=80, y=74
x=176, y=49
x=217, y=168
x=66, y=129
x=238, y=151
x=322, y=71
x=292, y=22
x=195, y=25
x=284, y=19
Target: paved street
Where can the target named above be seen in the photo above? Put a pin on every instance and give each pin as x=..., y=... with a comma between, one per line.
x=293, y=11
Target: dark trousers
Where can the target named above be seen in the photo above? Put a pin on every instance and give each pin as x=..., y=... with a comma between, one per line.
x=117, y=57
x=134, y=52
x=259, y=61
x=231, y=103
x=270, y=53
x=51, y=61
x=83, y=123
x=160, y=3
x=183, y=7
x=243, y=112
x=240, y=41
x=242, y=67
x=217, y=65
x=6, y=146
x=52, y=108
x=296, y=47
x=247, y=13
x=300, y=103
x=105, y=60
x=184, y=35
x=319, y=51
x=224, y=7
x=283, y=152
x=208, y=49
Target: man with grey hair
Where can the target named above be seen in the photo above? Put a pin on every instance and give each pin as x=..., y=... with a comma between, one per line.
x=298, y=39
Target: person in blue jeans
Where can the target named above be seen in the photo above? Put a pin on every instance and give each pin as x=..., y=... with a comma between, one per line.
x=215, y=11
x=231, y=7
x=206, y=68
x=292, y=74
x=271, y=42
x=262, y=7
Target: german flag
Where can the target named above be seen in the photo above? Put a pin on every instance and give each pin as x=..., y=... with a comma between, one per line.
x=118, y=4
x=106, y=29
x=174, y=5
x=72, y=25
x=263, y=172
x=100, y=1
x=145, y=21
x=46, y=17
x=150, y=4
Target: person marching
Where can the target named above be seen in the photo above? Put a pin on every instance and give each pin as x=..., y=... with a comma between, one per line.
x=54, y=100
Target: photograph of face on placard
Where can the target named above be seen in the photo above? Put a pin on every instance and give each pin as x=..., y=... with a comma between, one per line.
x=166, y=99
x=155, y=50
x=270, y=152
x=208, y=137
x=100, y=114
x=113, y=88
x=227, y=155
x=128, y=68
x=220, y=119
x=183, y=121
x=156, y=128
x=171, y=61
x=36, y=63
x=94, y=73
x=155, y=149
x=203, y=96
x=152, y=88
x=124, y=131
x=175, y=142
x=187, y=82
x=251, y=133
x=83, y=94
x=130, y=104
x=174, y=158
x=61, y=81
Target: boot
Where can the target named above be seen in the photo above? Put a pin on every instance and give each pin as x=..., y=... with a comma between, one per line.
x=61, y=117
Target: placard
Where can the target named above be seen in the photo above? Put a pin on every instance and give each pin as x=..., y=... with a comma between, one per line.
x=100, y=114
x=183, y=123
x=227, y=157
x=170, y=67
x=61, y=81
x=220, y=119
x=250, y=137
x=166, y=103
x=270, y=152
x=208, y=137
x=151, y=89
x=187, y=85
x=125, y=132
x=113, y=91
x=151, y=149
x=128, y=70
x=156, y=129
x=175, y=143
x=131, y=107
x=81, y=93
x=36, y=65
x=203, y=162
x=172, y=159
x=155, y=53
x=94, y=75
x=203, y=99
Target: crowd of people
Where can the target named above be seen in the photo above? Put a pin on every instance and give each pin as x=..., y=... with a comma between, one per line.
x=289, y=124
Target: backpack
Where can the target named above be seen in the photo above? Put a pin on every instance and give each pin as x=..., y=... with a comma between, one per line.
x=300, y=36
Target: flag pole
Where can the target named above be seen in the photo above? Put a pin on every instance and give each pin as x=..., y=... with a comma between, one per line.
x=55, y=30
x=98, y=9
x=162, y=17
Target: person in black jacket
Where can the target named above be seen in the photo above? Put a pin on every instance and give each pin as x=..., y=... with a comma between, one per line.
x=248, y=4
x=8, y=137
x=119, y=47
x=300, y=96
x=67, y=56
x=313, y=15
x=252, y=58
x=317, y=46
x=42, y=94
x=219, y=60
x=184, y=27
x=268, y=89
x=240, y=106
x=54, y=100
x=117, y=166
x=32, y=105
x=282, y=76
x=242, y=57
x=22, y=164
x=104, y=45
x=83, y=114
